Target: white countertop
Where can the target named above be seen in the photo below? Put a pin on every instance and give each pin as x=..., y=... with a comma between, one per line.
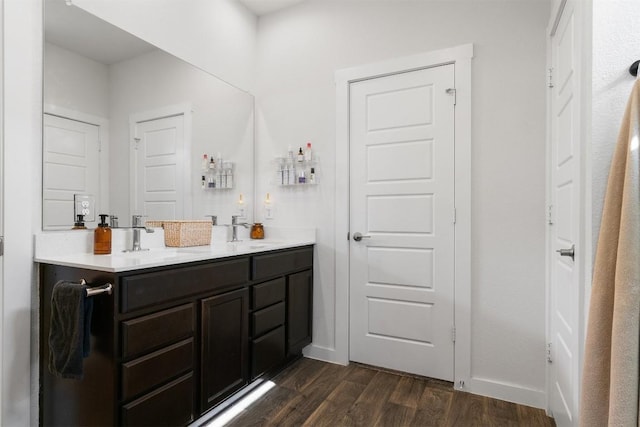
x=70, y=249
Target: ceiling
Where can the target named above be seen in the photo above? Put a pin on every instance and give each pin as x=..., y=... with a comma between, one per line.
x=262, y=7
x=78, y=31
x=81, y=32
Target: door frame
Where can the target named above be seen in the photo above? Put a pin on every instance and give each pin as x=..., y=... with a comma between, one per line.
x=184, y=110
x=585, y=241
x=461, y=57
x=103, y=150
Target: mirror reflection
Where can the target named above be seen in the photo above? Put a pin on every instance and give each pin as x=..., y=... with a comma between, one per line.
x=130, y=124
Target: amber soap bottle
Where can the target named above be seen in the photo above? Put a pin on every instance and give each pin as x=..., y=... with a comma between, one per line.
x=102, y=237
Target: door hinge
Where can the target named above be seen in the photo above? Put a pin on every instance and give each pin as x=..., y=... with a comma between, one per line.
x=136, y=141
x=549, y=358
x=550, y=78
x=453, y=334
x=348, y=236
x=1, y=245
x=550, y=215
x=450, y=91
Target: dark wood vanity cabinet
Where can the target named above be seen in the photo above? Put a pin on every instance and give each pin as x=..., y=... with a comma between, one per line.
x=224, y=346
x=173, y=342
x=299, y=311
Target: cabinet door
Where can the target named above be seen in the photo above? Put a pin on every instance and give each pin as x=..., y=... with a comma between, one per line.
x=299, y=311
x=225, y=336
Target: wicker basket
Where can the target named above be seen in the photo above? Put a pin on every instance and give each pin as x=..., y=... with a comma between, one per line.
x=187, y=233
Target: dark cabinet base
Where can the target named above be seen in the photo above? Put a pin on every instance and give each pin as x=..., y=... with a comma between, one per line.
x=174, y=343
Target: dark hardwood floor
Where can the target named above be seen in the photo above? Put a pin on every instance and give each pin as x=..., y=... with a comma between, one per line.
x=314, y=393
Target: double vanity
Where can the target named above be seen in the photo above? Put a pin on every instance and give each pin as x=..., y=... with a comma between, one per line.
x=182, y=330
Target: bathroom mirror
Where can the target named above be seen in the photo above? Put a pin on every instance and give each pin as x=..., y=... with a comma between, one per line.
x=129, y=124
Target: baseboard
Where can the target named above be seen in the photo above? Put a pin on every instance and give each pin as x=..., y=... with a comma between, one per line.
x=324, y=354
x=506, y=391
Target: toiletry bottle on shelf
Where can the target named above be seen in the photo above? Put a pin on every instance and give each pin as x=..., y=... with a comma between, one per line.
x=212, y=183
x=102, y=237
x=204, y=182
x=290, y=154
x=220, y=177
x=307, y=153
x=312, y=176
x=292, y=175
x=229, y=174
x=300, y=155
x=205, y=162
x=285, y=174
x=301, y=178
x=212, y=164
x=79, y=224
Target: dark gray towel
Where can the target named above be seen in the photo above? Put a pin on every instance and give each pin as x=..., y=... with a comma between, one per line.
x=70, y=329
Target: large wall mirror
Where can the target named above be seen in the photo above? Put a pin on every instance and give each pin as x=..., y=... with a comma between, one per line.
x=129, y=124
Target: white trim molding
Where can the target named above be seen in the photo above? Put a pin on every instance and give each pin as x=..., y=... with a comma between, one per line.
x=461, y=57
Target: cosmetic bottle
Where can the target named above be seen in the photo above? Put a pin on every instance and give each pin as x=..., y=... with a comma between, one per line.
x=307, y=153
x=102, y=237
x=301, y=178
x=290, y=154
x=300, y=155
x=292, y=175
x=212, y=164
x=205, y=162
x=285, y=174
x=312, y=176
x=204, y=182
x=229, y=174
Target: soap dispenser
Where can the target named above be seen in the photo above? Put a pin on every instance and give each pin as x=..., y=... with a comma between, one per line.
x=102, y=237
x=79, y=224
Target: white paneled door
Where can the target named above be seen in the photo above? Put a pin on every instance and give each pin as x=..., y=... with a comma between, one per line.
x=565, y=300
x=70, y=165
x=402, y=221
x=159, y=163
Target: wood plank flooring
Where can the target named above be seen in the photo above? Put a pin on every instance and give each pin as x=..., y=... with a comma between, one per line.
x=314, y=393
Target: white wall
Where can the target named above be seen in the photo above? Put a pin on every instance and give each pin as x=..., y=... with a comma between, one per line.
x=615, y=47
x=218, y=36
x=299, y=50
x=22, y=118
x=75, y=82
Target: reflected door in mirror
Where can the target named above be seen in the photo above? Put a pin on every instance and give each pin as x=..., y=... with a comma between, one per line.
x=71, y=162
x=158, y=163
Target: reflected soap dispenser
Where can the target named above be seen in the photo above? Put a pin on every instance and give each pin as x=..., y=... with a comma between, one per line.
x=102, y=237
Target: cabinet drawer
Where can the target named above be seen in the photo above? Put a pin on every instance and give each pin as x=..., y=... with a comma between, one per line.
x=142, y=290
x=142, y=374
x=268, y=351
x=280, y=263
x=268, y=293
x=155, y=330
x=171, y=405
x=267, y=319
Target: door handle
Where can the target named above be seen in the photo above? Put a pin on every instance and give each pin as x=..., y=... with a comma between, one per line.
x=566, y=252
x=357, y=236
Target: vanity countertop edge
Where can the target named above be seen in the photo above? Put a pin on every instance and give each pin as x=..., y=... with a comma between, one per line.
x=158, y=257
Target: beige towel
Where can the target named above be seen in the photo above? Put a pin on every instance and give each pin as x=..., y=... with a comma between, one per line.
x=610, y=373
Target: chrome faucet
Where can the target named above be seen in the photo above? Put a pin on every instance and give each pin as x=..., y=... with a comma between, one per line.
x=234, y=227
x=136, y=225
